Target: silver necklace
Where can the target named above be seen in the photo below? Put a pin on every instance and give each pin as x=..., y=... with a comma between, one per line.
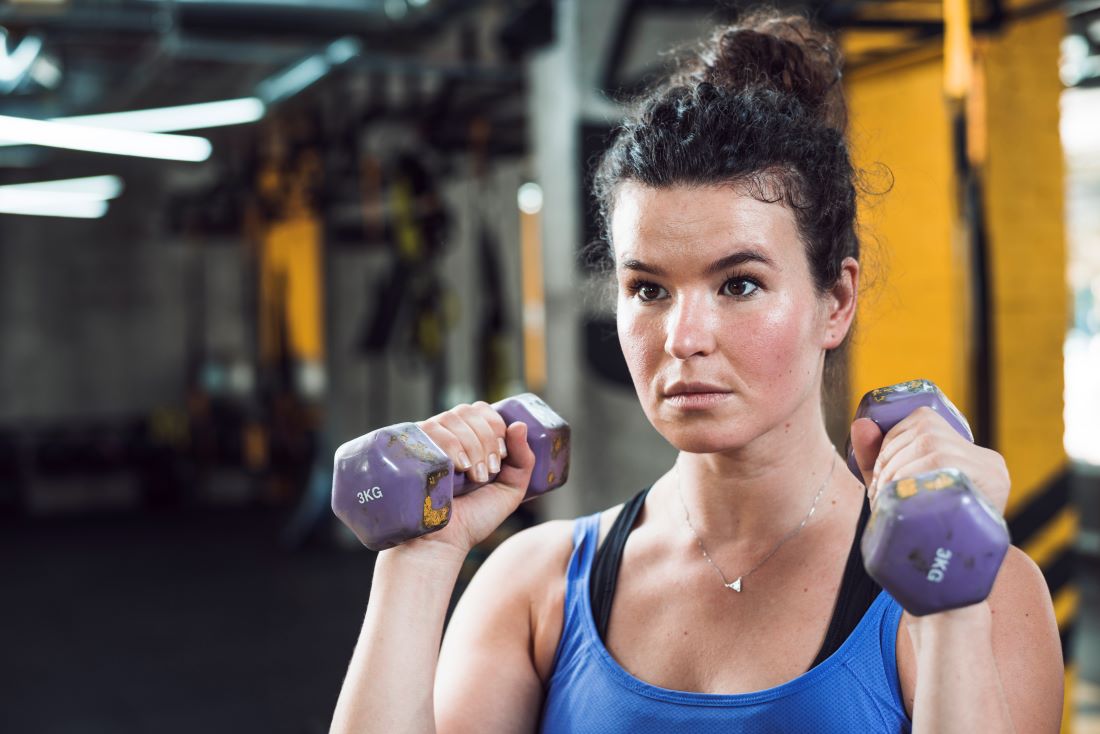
x=736, y=583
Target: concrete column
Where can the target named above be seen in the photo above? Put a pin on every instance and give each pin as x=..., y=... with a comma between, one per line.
x=615, y=450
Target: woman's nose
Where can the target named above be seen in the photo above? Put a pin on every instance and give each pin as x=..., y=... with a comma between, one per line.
x=691, y=327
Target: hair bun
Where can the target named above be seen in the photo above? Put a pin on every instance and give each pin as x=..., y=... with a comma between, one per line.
x=768, y=50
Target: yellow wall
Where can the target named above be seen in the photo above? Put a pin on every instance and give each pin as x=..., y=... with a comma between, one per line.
x=914, y=323
x=1025, y=215
x=911, y=317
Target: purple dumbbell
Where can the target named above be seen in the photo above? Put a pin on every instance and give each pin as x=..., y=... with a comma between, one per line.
x=395, y=484
x=934, y=542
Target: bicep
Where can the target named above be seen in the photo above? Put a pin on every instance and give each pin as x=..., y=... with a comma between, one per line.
x=1026, y=644
x=486, y=679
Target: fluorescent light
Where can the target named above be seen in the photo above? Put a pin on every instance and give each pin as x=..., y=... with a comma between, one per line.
x=91, y=188
x=84, y=198
x=46, y=72
x=299, y=76
x=104, y=140
x=181, y=117
x=396, y=9
x=41, y=199
x=170, y=119
x=15, y=63
x=1080, y=109
x=55, y=206
x=289, y=82
x=529, y=198
x=342, y=50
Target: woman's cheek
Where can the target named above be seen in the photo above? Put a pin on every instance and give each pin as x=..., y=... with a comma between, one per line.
x=778, y=344
x=643, y=348
x=641, y=353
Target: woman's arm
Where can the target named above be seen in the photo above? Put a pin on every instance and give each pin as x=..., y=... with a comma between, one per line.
x=994, y=666
x=389, y=683
x=388, y=687
x=502, y=637
x=485, y=677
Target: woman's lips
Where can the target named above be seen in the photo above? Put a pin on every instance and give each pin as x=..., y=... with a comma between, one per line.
x=697, y=400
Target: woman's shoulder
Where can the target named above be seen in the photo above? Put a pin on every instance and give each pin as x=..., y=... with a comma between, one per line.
x=534, y=563
x=542, y=551
x=539, y=546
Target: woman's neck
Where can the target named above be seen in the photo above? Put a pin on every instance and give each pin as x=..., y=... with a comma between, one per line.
x=758, y=493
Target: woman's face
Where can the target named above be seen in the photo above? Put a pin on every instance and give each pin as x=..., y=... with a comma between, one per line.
x=714, y=288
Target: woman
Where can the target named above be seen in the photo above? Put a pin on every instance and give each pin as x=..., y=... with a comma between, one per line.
x=728, y=596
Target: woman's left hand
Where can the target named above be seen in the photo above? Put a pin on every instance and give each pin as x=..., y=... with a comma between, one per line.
x=924, y=441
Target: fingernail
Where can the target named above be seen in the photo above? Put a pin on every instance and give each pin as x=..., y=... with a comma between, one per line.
x=503, y=447
x=494, y=463
x=480, y=474
x=463, y=461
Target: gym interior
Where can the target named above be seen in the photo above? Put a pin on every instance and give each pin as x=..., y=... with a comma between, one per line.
x=236, y=234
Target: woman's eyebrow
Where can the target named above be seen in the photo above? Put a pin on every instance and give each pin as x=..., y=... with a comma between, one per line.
x=723, y=263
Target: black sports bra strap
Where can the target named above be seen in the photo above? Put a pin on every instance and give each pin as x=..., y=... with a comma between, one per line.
x=605, y=566
x=857, y=592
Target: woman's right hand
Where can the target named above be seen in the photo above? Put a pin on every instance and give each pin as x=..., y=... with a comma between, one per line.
x=391, y=679
x=476, y=439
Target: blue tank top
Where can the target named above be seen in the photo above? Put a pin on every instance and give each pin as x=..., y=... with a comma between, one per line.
x=855, y=689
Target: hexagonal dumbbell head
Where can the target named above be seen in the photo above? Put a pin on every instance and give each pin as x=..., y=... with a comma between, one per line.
x=888, y=406
x=395, y=484
x=391, y=485
x=934, y=542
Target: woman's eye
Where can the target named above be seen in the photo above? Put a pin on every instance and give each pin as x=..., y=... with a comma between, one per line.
x=736, y=287
x=741, y=286
x=649, y=292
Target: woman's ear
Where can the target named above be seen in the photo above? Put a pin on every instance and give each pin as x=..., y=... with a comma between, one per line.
x=841, y=301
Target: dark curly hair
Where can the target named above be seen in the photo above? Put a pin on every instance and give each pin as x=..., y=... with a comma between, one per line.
x=759, y=107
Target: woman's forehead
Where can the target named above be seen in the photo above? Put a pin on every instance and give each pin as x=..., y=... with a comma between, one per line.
x=679, y=222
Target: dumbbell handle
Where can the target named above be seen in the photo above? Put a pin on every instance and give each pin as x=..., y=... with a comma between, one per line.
x=511, y=412
x=888, y=414
x=462, y=482
x=547, y=435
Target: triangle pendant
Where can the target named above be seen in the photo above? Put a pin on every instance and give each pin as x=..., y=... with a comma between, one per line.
x=736, y=585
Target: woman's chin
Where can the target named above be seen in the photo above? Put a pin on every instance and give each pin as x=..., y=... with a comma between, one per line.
x=700, y=431
x=699, y=438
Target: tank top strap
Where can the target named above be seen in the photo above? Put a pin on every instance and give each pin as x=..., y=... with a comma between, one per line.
x=586, y=536
x=888, y=623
